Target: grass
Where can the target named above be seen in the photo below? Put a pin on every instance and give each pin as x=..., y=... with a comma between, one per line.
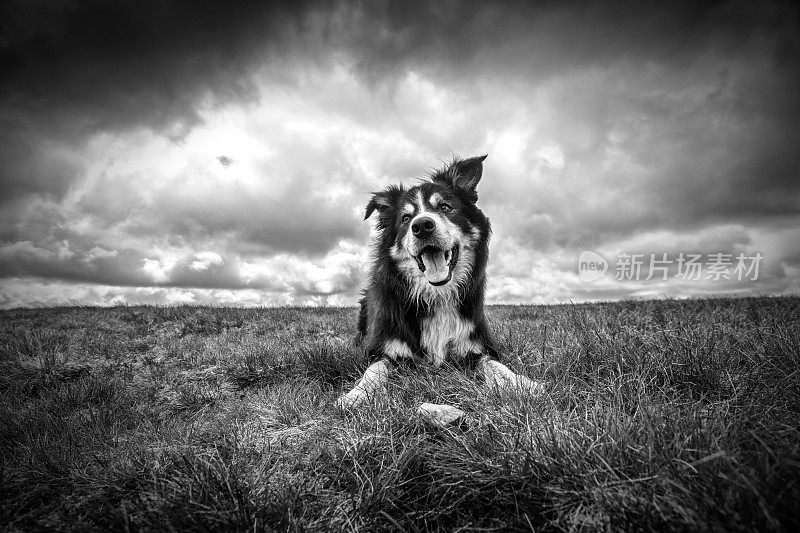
x=660, y=415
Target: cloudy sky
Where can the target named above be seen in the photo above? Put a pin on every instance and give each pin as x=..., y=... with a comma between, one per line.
x=216, y=152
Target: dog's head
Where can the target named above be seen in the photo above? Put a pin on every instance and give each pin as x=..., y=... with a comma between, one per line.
x=434, y=232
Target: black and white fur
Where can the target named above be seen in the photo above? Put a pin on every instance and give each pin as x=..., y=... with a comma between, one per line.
x=424, y=297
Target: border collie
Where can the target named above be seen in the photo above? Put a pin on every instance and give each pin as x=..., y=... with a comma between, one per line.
x=424, y=296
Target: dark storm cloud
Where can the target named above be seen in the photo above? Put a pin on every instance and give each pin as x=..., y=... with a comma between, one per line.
x=543, y=38
x=24, y=258
x=112, y=64
x=73, y=68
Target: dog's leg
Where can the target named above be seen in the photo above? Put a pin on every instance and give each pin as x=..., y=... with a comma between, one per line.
x=499, y=376
x=375, y=377
x=377, y=374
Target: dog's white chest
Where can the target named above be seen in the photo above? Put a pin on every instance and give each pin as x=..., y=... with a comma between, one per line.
x=443, y=332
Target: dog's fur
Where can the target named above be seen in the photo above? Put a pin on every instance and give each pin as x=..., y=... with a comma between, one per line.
x=424, y=297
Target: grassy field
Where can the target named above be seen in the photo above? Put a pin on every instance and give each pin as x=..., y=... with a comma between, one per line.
x=665, y=415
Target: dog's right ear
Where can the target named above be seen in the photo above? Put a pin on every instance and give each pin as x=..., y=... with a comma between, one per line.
x=382, y=201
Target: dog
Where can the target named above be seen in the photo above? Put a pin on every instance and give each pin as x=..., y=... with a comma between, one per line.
x=424, y=299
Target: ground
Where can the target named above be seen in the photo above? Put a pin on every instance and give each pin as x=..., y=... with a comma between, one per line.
x=665, y=415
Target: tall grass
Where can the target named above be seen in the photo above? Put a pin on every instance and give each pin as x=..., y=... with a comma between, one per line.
x=659, y=415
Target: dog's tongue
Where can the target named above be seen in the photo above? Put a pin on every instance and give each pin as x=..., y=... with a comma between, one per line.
x=436, y=269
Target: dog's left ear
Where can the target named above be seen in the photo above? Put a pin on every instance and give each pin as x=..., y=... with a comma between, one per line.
x=383, y=200
x=465, y=175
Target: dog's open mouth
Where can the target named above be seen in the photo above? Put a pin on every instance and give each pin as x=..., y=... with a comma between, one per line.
x=437, y=264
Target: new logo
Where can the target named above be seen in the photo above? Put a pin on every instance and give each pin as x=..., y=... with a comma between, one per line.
x=591, y=266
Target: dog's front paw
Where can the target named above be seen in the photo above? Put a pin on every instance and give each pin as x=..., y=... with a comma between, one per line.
x=351, y=399
x=357, y=396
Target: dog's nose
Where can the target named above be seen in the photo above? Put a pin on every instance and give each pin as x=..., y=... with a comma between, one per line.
x=423, y=227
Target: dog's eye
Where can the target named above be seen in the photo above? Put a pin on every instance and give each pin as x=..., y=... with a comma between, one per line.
x=405, y=219
x=445, y=207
